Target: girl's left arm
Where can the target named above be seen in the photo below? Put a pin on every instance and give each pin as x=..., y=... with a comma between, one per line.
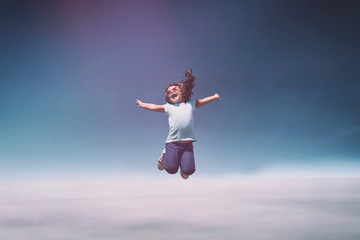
x=202, y=102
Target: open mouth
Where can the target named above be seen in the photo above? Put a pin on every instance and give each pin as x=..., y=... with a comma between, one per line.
x=174, y=95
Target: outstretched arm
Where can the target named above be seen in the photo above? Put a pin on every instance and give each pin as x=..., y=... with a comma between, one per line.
x=202, y=102
x=150, y=106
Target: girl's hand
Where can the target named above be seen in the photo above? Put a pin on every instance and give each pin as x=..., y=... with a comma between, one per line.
x=217, y=97
x=139, y=103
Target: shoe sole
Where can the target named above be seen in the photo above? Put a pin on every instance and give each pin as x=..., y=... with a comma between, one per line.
x=184, y=176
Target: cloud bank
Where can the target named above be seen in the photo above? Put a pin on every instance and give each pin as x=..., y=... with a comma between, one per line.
x=139, y=208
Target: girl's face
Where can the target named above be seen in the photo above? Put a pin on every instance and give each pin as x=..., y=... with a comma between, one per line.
x=174, y=94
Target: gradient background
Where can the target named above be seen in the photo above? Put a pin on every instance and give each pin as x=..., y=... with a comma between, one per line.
x=278, y=158
x=288, y=74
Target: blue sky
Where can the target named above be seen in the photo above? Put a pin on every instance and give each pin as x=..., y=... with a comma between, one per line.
x=288, y=74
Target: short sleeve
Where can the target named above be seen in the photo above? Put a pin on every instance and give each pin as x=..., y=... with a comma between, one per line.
x=193, y=104
x=166, y=107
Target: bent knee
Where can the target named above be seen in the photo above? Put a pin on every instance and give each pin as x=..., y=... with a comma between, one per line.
x=172, y=170
x=188, y=171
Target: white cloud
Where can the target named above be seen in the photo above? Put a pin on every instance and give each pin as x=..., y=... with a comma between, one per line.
x=169, y=208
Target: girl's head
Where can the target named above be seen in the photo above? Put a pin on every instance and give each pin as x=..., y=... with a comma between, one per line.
x=181, y=92
x=173, y=94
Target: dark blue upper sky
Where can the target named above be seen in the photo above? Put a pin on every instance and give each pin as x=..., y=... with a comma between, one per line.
x=288, y=73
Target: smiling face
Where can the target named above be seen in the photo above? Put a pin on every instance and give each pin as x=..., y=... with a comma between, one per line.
x=173, y=93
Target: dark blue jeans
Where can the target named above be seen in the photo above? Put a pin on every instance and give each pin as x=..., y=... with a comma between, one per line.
x=179, y=155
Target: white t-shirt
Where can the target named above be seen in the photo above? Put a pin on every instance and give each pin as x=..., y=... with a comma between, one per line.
x=181, y=123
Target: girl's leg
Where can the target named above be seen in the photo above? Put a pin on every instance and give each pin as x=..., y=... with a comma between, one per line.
x=187, y=164
x=160, y=160
x=171, y=159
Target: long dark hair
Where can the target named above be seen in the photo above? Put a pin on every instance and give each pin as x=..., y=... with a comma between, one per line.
x=186, y=85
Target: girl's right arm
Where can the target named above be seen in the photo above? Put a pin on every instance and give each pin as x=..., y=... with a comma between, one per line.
x=150, y=106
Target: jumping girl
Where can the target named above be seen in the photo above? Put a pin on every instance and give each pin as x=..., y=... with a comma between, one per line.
x=178, y=150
